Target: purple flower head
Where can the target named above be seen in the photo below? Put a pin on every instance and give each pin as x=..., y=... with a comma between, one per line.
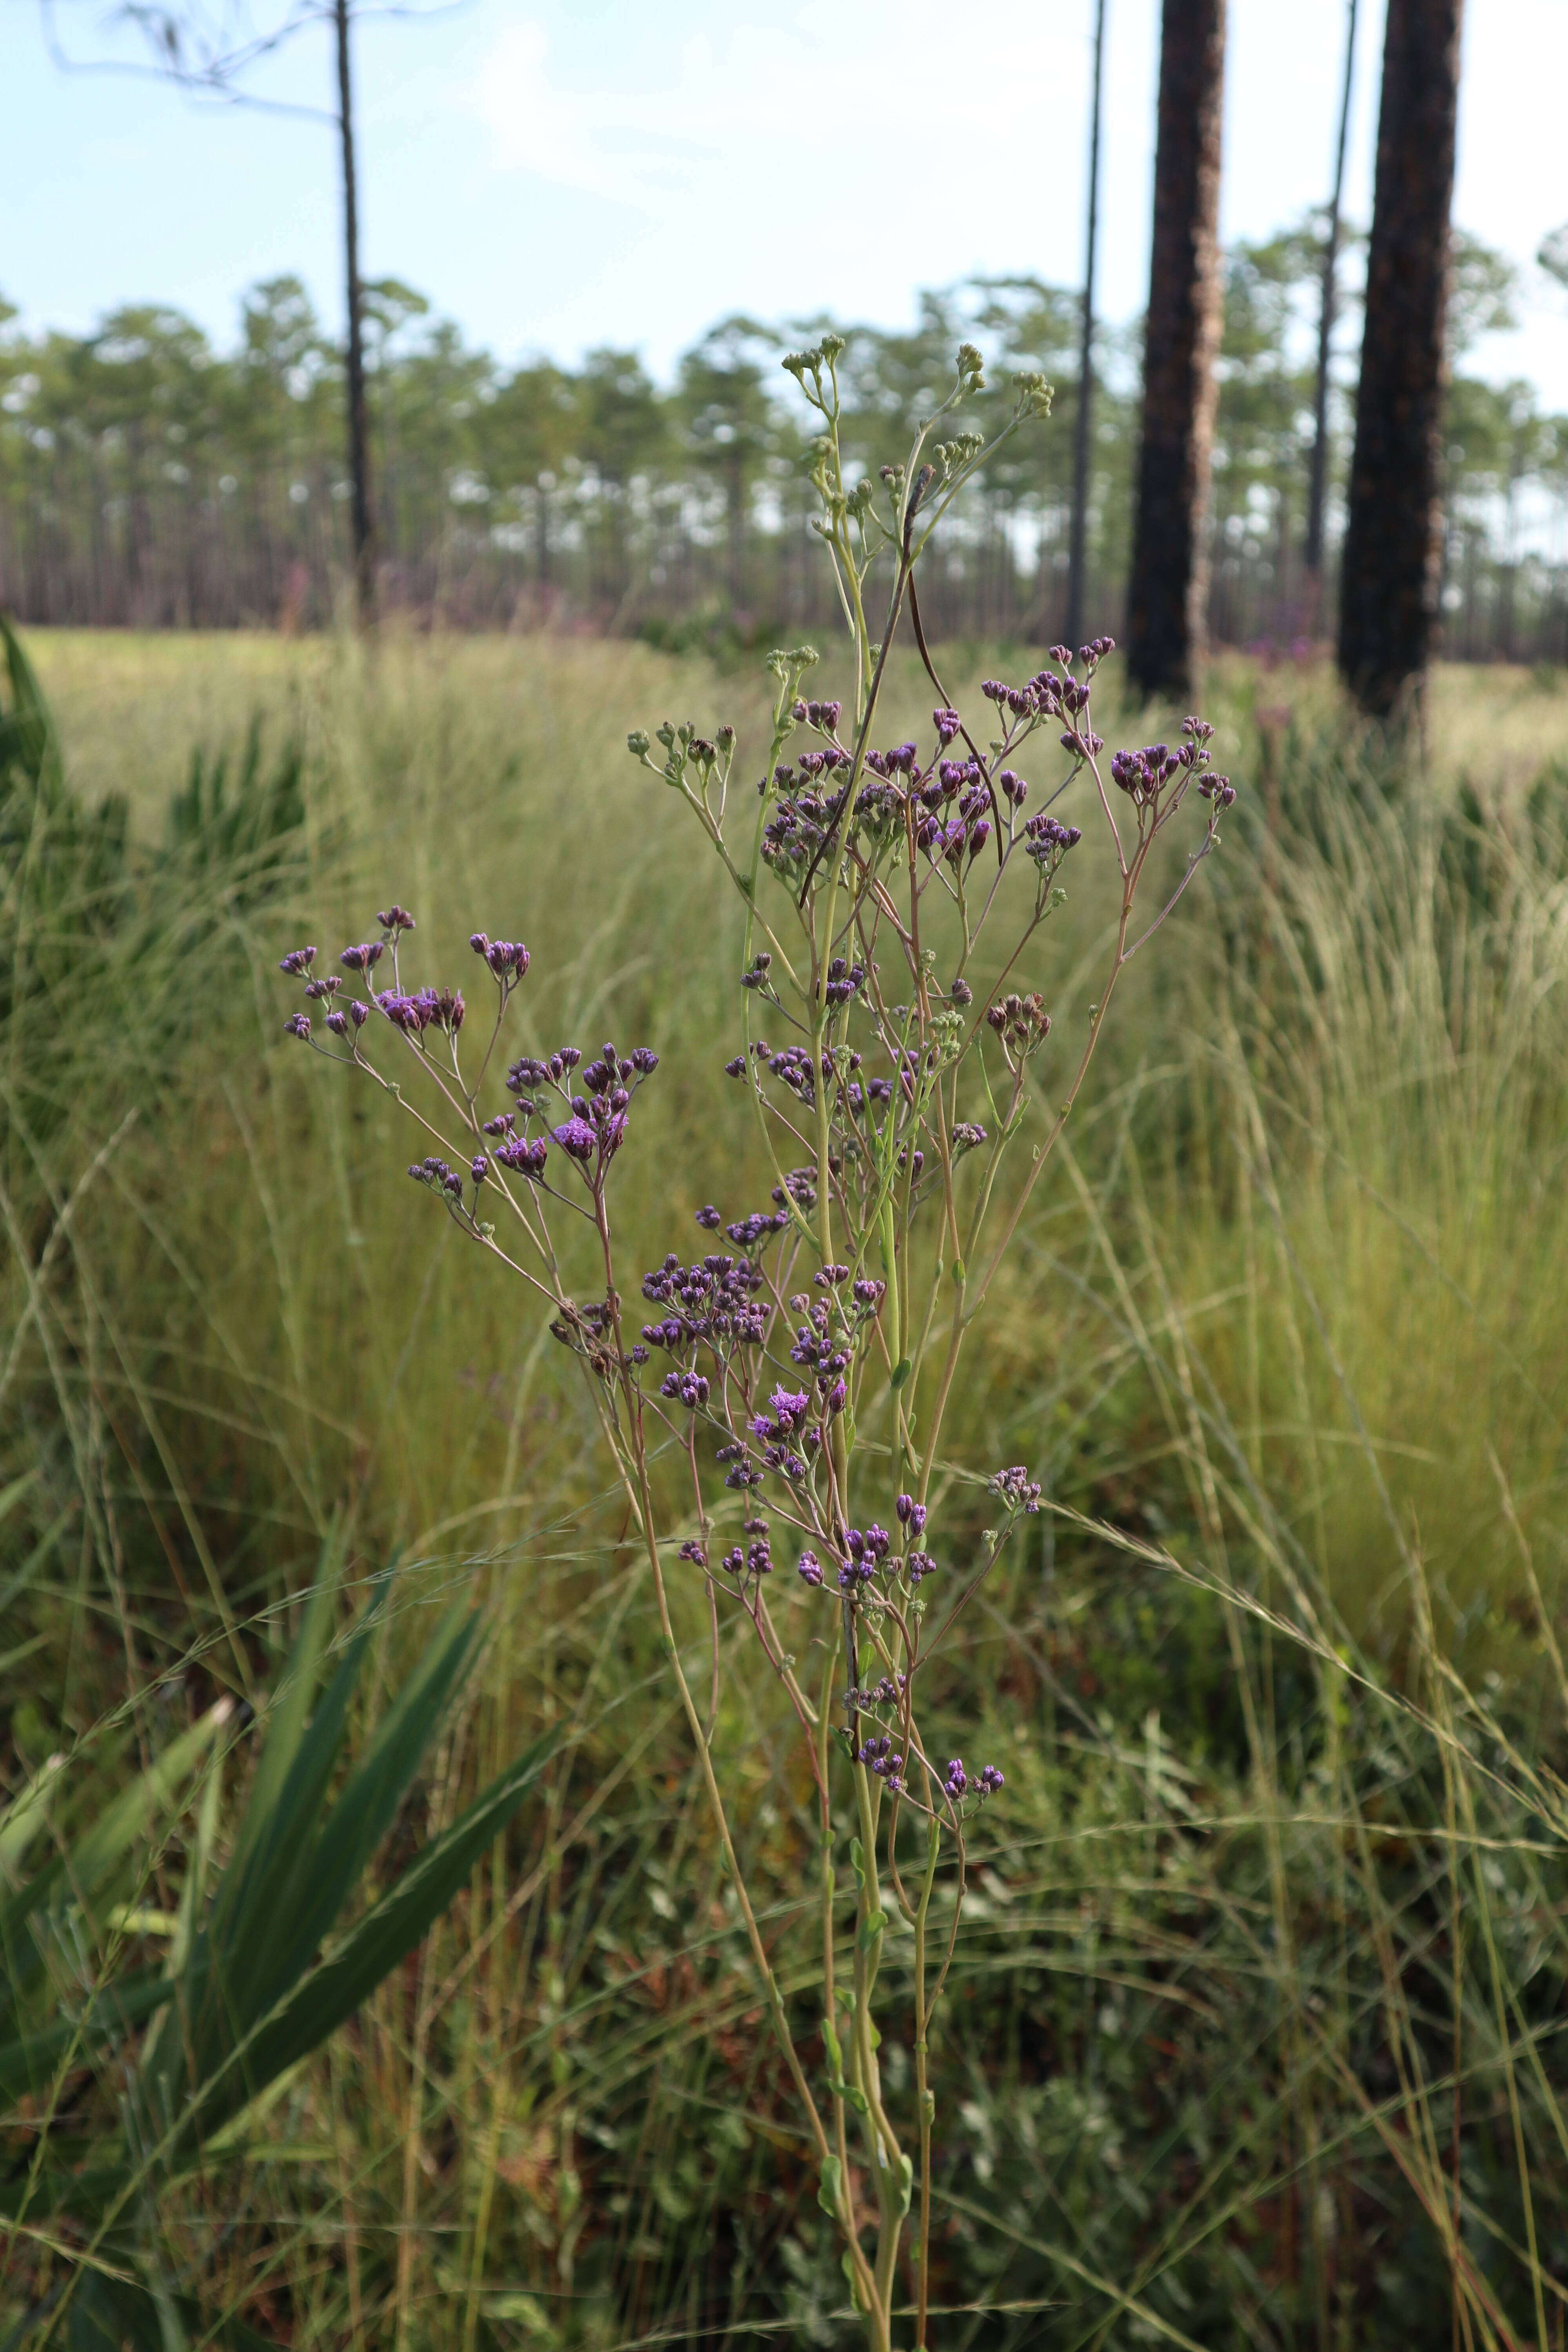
x=577, y=1138
x=947, y=724
x=838, y=1397
x=968, y=1136
x=1014, y=1488
x=480, y=1168
x=396, y=918
x=957, y=1780
x=791, y=1407
x=362, y=958
x=709, y=1219
x=300, y=1026
x=408, y=1013
x=989, y=1781
x=911, y=1515
x=920, y=1563
x=523, y=1154
x=962, y=993
x=508, y=959
x=328, y=987
x=297, y=961
x=359, y=1014
x=435, y=1173
x=1013, y=787
x=692, y=1550
x=338, y=1022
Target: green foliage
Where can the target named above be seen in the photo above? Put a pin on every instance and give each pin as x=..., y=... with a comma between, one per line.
x=1309, y=1290
x=246, y=1994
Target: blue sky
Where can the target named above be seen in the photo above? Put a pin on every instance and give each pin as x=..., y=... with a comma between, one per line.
x=560, y=175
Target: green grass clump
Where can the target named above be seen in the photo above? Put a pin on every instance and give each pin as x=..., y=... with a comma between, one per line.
x=1271, y=1934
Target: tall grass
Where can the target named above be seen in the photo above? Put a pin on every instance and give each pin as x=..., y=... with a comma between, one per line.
x=1269, y=1986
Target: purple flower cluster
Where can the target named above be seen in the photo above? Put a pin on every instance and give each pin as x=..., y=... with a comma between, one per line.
x=435, y=1173
x=1048, y=843
x=713, y=1303
x=877, y=1755
x=986, y=1783
x=1016, y=1489
x=508, y=959
x=428, y=1008
x=753, y=1559
x=525, y=1155
x=1146, y=776
x=861, y=1555
x=820, y=1348
x=597, y=1127
x=804, y=819
x=1021, y=1022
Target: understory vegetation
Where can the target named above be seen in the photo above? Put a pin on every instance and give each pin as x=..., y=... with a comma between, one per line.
x=1256, y=2039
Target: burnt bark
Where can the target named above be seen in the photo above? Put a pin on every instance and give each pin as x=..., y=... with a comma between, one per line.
x=1392, y=568
x=1083, y=423
x=1328, y=310
x=358, y=424
x=1169, y=587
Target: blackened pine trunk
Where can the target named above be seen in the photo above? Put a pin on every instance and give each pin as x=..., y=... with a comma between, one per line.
x=1169, y=587
x=1388, y=593
x=1083, y=423
x=359, y=433
x=1328, y=310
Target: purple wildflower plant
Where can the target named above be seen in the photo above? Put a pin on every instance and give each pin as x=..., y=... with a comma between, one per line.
x=798, y=1369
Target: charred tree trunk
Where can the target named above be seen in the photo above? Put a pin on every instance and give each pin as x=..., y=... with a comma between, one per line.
x=358, y=425
x=1388, y=594
x=1168, y=590
x=1083, y=423
x=1317, y=487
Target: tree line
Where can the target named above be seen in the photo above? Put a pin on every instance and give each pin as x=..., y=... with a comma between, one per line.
x=147, y=479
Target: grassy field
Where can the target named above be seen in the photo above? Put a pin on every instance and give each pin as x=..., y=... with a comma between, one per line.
x=1268, y=1979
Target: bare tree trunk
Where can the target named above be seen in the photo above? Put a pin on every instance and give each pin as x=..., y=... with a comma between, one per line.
x=1083, y=422
x=1317, y=493
x=1166, y=595
x=1388, y=596
x=359, y=435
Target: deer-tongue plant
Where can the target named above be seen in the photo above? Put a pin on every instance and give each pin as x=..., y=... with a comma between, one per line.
x=803, y=1364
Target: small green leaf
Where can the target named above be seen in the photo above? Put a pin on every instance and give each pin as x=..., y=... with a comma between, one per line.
x=906, y=2185
x=871, y=1927
x=834, y=2047
x=828, y=2185
x=901, y=1370
x=858, y=1862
